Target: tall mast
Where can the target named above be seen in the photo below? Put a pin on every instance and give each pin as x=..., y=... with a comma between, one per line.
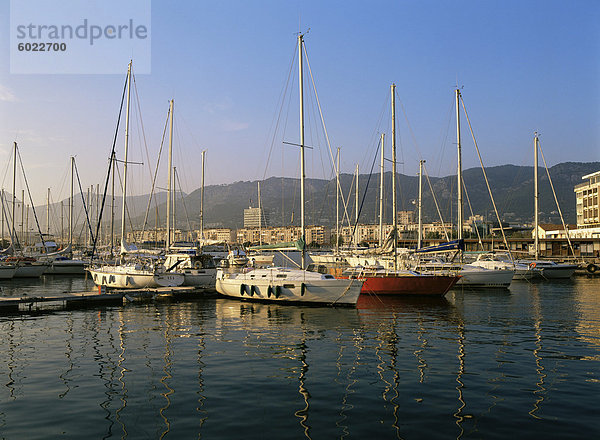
x=337, y=204
x=174, y=226
x=302, y=170
x=394, y=213
x=2, y=217
x=23, y=216
x=356, y=210
x=112, y=205
x=535, y=195
x=459, y=218
x=123, y=208
x=202, y=200
x=259, y=216
x=13, y=232
x=168, y=242
x=48, y=213
x=420, y=240
x=98, y=211
x=381, y=194
x=71, y=204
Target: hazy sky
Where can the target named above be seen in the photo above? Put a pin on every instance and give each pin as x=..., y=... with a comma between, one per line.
x=523, y=66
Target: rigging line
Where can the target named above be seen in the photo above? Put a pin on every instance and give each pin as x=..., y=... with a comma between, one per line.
x=187, y=217
x=365, y=192
x=275, y=121
x=14, y=239
x=473, y=215
x=110, y=164
x=437, y=207
x=30, y=200
x=152, y=195
x=322, y=120
x=8, y=163
x=87, y=217
x=556, y=200
x=486, y=179
x=141, y=122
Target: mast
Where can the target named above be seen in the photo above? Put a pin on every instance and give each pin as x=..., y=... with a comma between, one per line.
x=337, y=204
x=123, y=209
x=112, y=205
x=420, y=240
x=168, y=242
x=23, y=217
x=535, y=196
x=48, y=213
x=98, y=210
x=202, y=200
x=14, y=194
x=394, y=213
x=302, y=170
x=356, y=210
x=174, y=203
x=259, y=217
x=459, y=219
x=2, y=217
x=71, y=205
x=381, y=194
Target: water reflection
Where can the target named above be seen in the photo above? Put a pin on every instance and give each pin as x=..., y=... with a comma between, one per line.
x=384, y=315
x=458, y=415
x=303, y=413
x=540, y=390
x=385, y=369
x=587, y=299
x=164, y=380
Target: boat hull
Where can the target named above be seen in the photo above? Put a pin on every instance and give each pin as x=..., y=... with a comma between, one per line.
x=66, y=267
x=203, y=278
x=421, y=285
x=488, y=278
x=558, y=272
x=328, y=291
x=33, y=270
x=134, y=279
x=7, y=272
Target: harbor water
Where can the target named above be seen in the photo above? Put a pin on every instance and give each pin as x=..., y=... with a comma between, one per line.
x=523, y=363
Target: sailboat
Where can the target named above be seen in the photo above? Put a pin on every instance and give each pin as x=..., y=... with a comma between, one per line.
x=27, y=266
x=282, y=285
x=544, y=268
x=197, y=268
x=61, y=261
x=132, y=274
x=395, y=281
x=472, y=275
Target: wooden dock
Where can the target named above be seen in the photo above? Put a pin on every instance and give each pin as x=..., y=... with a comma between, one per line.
x=99, y=298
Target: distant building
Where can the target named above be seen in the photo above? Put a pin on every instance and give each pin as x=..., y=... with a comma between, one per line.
x=406, y=217
x=252, y=218
x=586, y=194
x=224, y=235
x=313, y=234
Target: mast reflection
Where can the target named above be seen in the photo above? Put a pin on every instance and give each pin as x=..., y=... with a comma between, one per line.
x=540, y=391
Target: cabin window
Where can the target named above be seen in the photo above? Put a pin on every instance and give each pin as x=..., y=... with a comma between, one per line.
x=281, y=275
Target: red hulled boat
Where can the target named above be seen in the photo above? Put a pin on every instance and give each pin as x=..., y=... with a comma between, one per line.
x=381, y=282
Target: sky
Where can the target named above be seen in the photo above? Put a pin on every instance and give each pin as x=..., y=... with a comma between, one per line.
x=230, y=66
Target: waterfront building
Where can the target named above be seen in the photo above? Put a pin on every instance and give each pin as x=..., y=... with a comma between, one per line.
x=223, y=235
x=273, y=235
x=252, y=218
